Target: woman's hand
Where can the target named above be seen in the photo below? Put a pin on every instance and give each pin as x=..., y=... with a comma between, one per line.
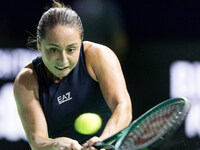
x=90, y=142
x=67, y=144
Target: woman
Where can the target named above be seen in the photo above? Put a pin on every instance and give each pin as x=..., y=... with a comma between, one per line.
x=72, y=77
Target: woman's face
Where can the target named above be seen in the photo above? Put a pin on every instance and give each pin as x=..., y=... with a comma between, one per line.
x=60, y=50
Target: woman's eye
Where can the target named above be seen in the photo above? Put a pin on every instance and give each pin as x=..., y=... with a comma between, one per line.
x=53, y=50
x=71, y=50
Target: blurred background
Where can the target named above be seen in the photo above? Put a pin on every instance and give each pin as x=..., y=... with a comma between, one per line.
x=157, y=43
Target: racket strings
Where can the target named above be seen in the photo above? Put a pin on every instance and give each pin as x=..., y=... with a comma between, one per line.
x=154, y=126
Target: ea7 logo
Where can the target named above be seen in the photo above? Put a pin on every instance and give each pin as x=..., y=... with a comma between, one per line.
x=64, y=98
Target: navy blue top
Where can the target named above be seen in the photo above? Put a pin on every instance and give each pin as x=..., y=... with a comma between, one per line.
x=63, y=102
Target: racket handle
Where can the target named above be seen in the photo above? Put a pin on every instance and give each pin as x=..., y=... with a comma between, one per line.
x=100, y=145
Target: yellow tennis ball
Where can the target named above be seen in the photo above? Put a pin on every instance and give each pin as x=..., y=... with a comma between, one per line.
x=88, y=123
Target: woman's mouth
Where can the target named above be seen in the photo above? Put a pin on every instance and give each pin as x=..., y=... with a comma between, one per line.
x=61, y=68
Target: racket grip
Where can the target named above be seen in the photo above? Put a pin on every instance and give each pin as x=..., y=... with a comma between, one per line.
x=100, y=145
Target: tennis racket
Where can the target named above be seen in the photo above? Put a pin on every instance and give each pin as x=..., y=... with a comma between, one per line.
x=151, y=128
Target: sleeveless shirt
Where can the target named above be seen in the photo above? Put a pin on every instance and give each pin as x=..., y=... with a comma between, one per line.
x=63, y=102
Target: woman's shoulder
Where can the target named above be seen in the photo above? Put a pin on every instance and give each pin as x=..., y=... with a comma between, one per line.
x=27, y=76
x=92, y=46
x=96, y=51
x=97, y=56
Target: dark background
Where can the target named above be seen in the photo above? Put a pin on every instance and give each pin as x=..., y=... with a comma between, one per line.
x=157, y=34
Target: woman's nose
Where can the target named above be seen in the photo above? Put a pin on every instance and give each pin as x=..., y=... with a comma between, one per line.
x=63, y=58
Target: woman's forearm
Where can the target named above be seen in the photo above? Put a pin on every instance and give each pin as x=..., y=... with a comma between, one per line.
x=121, y=117
x=40, y=143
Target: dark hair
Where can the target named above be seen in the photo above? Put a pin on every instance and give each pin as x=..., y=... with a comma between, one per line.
x=59, y=14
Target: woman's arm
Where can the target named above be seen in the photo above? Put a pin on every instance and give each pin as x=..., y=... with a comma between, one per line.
x=32, y=116
x=104, y=67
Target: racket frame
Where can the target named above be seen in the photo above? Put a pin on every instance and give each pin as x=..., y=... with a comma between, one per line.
x=119, y=137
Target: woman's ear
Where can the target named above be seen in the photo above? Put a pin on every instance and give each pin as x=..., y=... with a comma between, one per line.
x=38, y=44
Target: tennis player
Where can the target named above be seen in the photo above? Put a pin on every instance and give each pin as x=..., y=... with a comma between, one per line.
x=70, y=78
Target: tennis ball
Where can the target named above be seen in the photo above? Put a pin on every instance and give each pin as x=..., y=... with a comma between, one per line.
x=88, y=123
